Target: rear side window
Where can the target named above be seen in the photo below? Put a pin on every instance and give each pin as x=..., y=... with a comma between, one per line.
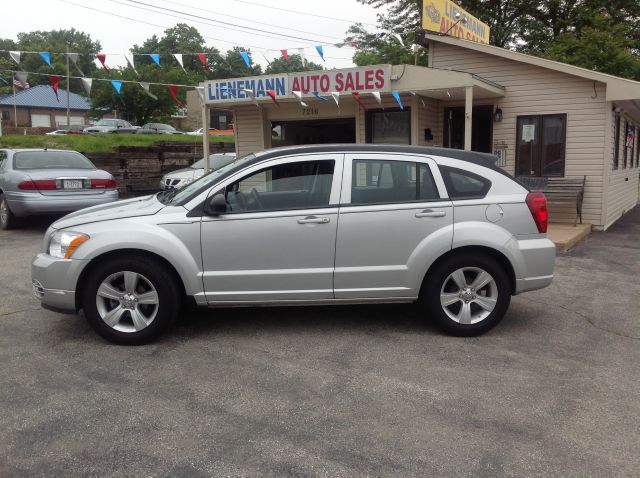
x=463, y=184
x=379, y=181
x=51, y=159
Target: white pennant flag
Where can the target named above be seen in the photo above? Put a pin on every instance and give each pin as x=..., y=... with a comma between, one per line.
x=399, y=38
x=376, y=95
x=302, y=57
x=178, y=57
x=86, y=83
x=336, y=98
x=74, y=58
x=129, y=59
x=200, y=91
x=298, y=95
x=251, y=95
x=145, y=87
x=15, y=56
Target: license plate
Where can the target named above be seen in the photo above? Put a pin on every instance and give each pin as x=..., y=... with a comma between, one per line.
x=72, y=184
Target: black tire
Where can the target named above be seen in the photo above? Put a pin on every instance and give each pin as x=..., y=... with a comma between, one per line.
x=438, y=281
x=153, y=272
x=7, y=219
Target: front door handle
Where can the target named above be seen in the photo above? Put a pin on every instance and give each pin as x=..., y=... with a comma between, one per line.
x=314, y=220
x=431, y=213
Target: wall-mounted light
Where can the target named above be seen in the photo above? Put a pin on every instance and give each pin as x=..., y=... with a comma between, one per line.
x=497, y=116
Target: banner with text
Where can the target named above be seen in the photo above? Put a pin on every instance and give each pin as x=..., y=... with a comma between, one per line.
x=444, y=16
x=308, y=83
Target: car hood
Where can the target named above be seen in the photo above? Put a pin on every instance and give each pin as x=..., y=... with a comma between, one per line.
x=142, y=206
x=186, y=173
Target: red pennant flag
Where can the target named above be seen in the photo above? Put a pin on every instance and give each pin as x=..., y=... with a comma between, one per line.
x=357, y=97
x=285, y=54
x=173, y=89
x=203, y=60
x=55, y=81
x=102, y=57
x=272, y=95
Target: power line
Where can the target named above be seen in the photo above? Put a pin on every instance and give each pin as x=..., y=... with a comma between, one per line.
x=164, y=27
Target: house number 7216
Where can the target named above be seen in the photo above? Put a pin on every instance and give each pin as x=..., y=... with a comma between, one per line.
x=309, y=111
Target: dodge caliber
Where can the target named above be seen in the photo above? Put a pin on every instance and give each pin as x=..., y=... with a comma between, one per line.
x=324, y=224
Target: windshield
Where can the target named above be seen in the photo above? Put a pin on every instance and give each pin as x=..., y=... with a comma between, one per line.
x=216, y=161
x=204, y=182
x=51, y=160
x=106, y=122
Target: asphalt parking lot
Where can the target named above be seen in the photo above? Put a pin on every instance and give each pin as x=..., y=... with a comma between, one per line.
x=332, y=391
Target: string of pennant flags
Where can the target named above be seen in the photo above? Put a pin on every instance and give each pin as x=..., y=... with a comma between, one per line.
x=87, y=83
x=16, y=55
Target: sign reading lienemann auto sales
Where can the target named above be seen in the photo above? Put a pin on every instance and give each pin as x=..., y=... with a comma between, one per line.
x=308, y=83
x=444, y=16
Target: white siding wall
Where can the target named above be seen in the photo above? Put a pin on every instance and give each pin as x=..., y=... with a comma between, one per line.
x=534, y=90
x=429, y=116
x=622, y=188
x=249, y=130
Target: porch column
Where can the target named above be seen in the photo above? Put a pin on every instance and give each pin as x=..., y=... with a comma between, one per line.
x=468, y=113
x=205, y=135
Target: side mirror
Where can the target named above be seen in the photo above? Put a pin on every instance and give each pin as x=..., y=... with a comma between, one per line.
x=216, y=205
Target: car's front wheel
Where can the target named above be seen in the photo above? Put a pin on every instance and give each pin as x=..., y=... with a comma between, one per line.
x=7, y=219
x=130, y=301
x=467, y=294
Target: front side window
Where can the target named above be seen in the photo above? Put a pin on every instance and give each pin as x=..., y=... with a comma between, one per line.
x=463, y=184
x=299, y=185
x=379, y=181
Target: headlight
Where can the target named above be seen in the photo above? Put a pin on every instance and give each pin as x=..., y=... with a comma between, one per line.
x=63, y=244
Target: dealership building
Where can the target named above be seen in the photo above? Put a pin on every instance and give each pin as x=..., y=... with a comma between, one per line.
x=540, y=117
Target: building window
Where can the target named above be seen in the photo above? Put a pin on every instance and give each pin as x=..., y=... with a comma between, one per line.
x=629, y=143
x=616, y=143
x=390, y=126
x=637, y=146
x=541, y=145
x=6, y=116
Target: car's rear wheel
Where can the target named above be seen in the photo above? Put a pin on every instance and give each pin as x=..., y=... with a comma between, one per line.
x=131, y=300
x=7, y=219
x=467, y=294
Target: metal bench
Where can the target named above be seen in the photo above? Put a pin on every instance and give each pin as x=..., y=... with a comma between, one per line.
x=560, y=191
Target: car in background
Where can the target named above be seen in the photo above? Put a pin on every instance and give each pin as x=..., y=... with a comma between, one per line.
x=445, y=229
x=157, y=128
x=111, y=126
x=49, y=181
x=181, y=177
x=197, y=132
x=57, y=132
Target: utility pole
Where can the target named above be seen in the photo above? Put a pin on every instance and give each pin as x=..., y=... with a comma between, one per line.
x=15, y=109
x=68, y=99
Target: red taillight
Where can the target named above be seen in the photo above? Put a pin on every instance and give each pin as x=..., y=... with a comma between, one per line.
x=538, y=206
x=103, y=184
x=38, y=185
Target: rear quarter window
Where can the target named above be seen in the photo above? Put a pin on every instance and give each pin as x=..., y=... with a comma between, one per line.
x=463, y=184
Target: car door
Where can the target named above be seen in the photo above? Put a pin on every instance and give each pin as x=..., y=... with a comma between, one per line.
x=276, y=242
x=394, y=219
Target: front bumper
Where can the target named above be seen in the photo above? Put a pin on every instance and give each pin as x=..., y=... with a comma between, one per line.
x=54, y=282
x=27, y=204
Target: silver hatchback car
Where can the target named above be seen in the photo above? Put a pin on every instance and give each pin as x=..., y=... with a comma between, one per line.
x=41, y=181
x=325, y=224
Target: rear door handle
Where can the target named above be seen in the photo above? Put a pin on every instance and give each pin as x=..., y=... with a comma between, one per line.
x=313, y=220
x=431, y=213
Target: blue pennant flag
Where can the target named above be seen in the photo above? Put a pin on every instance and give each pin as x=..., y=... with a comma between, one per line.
x=46, y=57
x=155, y=57
x=117, y=85
x=320, y=51
x=245, y=57
x=396, y=95
x=320, y=97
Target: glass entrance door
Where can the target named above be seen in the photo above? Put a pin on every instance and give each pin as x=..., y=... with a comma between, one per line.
x=481, y=128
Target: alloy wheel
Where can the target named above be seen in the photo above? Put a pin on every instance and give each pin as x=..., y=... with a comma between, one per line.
x=4, y=212
x=469, y=295
x=127, y=301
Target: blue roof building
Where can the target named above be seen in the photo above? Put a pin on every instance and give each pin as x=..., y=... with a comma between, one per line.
x=38, y=107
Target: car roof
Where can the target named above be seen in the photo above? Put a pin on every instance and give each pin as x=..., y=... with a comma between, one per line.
x=21, y=150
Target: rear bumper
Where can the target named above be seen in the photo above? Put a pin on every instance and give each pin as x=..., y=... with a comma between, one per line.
x=533, y=262
x=27, y=204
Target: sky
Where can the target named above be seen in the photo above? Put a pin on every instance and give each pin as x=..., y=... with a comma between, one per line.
x=117, y=34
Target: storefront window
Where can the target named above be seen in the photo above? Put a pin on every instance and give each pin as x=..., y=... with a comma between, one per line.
x=392, y=126
x=541, y=144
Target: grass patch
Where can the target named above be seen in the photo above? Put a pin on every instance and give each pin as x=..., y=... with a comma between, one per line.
x=98, y=143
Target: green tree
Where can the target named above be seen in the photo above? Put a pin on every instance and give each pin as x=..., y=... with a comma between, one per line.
x=6, y=63
x=281, y=65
